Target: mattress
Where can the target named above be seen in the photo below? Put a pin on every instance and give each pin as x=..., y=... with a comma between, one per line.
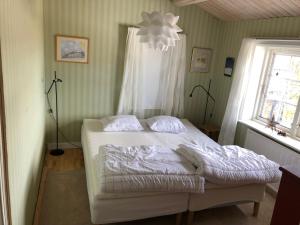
x=93, y=137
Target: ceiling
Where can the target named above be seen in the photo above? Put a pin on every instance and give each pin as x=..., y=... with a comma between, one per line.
x=231, y=10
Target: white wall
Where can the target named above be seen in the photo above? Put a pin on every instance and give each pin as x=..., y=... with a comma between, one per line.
x=22, y=50
x=274, y=151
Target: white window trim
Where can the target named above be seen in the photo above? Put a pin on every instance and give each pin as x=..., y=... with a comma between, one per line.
x=294, y=131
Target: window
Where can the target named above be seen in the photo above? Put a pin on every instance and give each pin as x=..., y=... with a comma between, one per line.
x=280, y=90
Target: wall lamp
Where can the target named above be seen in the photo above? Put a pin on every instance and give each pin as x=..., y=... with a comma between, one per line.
x=208, y=95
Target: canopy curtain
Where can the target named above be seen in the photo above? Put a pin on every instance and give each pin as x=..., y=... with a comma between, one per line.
x=237, y=109
x=153, y=81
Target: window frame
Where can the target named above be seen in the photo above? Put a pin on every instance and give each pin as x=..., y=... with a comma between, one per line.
x=294, y=131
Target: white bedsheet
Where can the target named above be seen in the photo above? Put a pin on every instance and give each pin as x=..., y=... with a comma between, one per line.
x=146, y=168
x=231, y=164
x=93, y=138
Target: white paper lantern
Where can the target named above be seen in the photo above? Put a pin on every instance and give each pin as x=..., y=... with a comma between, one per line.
x=159, y=30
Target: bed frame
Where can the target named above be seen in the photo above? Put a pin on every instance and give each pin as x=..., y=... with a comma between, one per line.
x=212, y=198
x=106, y=211
x=226, y=196
x=134, y=207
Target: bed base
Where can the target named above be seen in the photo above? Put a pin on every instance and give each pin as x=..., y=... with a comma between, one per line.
x=190, y=215
x=107, y=211
x=226, y=196
x=160, y=205
x=177, y=222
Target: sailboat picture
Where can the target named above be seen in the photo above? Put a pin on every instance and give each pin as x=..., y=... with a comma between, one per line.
x=71, y=49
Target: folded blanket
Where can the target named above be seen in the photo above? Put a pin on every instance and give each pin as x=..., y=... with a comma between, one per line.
x=146, y=169
x=231, y=164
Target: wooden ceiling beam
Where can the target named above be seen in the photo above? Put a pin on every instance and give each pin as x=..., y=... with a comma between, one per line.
x=181, y=3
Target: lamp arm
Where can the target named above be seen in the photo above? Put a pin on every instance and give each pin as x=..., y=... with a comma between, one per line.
x=51, y=87
x=199, y=85
x=54, y=81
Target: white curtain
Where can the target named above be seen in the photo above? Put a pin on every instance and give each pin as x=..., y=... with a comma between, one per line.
x=237, y=109
x=153, y=80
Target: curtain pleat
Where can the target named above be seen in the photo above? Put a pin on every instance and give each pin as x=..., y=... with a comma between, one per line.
x=168, y=93
x=238, y=91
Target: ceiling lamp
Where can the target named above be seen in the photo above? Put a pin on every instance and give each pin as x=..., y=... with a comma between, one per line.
x=159, y=30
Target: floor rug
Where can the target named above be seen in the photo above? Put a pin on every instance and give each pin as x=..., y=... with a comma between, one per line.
x=65, y=202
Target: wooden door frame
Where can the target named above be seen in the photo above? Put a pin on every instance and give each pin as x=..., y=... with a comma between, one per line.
x=4, y=182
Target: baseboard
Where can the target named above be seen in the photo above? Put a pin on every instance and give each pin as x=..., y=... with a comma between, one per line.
x=64, y=145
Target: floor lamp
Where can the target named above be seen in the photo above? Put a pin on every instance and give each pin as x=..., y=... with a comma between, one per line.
x=57, y=151
x=208, y=95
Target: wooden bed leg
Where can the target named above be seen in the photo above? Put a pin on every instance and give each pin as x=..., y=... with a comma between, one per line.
x=256, y=209
x=178, y=218
x=190, y=218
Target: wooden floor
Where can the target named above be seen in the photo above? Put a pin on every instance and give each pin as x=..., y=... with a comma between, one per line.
x=72, y=159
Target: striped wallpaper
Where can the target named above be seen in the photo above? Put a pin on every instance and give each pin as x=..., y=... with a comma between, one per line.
x=92, y=90
x=229, y=43
x=22, y=50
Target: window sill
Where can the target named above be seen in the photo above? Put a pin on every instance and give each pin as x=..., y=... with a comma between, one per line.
x=267, y=132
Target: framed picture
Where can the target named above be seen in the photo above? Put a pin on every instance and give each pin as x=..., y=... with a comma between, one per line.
x=229, y=63
x=72, y=49
x=201, y=58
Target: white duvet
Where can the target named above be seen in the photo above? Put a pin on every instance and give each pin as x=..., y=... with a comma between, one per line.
x=146, y=168
x=230, y=164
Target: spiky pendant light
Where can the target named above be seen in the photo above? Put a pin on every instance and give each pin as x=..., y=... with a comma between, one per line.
x=159, y=30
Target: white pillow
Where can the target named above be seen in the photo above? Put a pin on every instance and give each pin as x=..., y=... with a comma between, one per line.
x=121, y=123
x=167, y=124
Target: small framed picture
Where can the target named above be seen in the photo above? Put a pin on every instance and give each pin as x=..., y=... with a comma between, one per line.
x=229, y=63
x=201, y=58
x=72, y=49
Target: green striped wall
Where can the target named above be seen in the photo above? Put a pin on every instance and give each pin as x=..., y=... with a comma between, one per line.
x=92, y=90
x=229, y=44
x=22, y=50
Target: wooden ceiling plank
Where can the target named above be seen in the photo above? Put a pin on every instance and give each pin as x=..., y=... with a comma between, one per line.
x=235, y=6
x=266, y=9
x=280, y=8
x=258, y=9
x=217, y=10
x=244, y=10
x=291, y=7
x=230, y=6
x=247, y=11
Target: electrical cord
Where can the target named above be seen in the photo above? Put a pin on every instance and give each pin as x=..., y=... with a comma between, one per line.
x=212, y=111
x=50, y=111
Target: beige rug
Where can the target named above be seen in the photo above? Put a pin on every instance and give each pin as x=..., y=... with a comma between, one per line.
x=65, y=202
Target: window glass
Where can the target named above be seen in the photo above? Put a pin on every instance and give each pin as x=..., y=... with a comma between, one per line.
x=282, y=90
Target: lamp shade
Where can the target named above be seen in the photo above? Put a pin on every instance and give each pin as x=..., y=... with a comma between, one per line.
x=159, y=30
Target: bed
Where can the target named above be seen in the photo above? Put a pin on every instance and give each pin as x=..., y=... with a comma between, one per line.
x=118, y=207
